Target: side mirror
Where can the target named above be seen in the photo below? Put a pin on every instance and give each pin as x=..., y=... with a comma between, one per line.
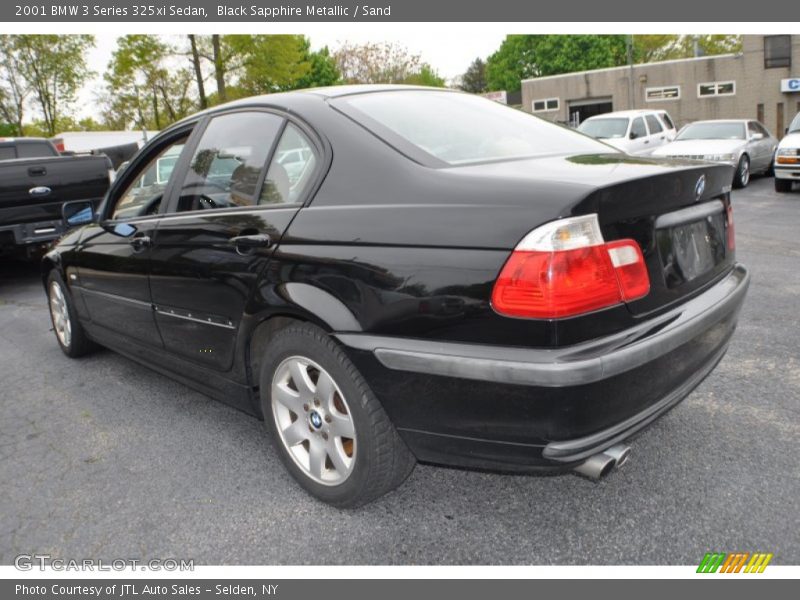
x=77, y=213
x=633, y=135
x=757, y=136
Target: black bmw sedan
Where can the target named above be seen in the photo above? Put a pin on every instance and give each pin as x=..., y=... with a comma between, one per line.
x=390, y=274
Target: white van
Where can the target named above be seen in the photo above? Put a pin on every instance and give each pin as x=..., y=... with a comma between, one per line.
x=632, y=131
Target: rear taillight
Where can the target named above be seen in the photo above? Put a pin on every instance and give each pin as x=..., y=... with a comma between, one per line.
x=565, y=268
x=730, y=228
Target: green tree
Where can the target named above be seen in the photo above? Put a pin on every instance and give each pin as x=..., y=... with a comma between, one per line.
x=524, y=56
x=54, y=69
x=425, y=76
x=143, y=88
x=269, y=63
x=323, y=71
x=474, y=79
x=651, y=48
x=376, y=62
x=14, y=90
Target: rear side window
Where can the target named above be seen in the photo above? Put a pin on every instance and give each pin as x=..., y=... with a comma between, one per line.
x=34, y=150
x=226, y=168
x=291, y=169
x=638, y=129
x=7, y=153
x=456, y=128
x=653, y=124
x=667, y=121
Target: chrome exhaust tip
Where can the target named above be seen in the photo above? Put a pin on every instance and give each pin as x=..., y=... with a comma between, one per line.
x=620, y=453
x=596, y=467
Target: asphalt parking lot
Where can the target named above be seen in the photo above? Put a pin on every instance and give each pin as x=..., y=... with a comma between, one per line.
x=103, y=458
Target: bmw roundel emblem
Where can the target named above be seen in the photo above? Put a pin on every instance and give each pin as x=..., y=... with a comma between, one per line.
x=700, y=187
x=315, y=419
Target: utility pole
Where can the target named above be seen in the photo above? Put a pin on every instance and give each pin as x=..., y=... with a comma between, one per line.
x=631, y=93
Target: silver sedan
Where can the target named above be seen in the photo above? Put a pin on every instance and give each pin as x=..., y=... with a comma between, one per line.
x=743, y=143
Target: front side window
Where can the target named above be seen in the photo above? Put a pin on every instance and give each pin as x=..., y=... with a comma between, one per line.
x=145, y=190
x=638, y=129
x=291, y=169
x=226, y=167
x=795, y=126
x=458, y=128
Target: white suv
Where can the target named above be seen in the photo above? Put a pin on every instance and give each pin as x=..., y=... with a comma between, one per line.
x=632, y=131
x=787, y=158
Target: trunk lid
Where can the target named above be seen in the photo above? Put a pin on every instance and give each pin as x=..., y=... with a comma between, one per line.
x=680, y=221
x=675, y=209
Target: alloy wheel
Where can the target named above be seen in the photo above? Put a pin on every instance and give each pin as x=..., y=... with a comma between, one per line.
x=744, y=172
x=313, y=420
x=60, y=314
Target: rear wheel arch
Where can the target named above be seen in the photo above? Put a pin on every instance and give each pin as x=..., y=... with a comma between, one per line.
x=261, y=336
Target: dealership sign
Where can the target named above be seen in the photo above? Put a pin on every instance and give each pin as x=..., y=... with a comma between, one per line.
x=790, y=85
x=501, y=97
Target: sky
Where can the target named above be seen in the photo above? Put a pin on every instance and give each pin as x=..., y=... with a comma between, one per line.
x=449, y=53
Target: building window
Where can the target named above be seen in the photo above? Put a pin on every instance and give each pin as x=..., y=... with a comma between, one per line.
x=657, y=94
x=777, y=51
x=716, y=88
x=545, y=104
x=760, y=113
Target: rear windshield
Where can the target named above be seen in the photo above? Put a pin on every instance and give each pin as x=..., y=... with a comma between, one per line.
x=712, y=131
x=605, y=128
x=459, y=128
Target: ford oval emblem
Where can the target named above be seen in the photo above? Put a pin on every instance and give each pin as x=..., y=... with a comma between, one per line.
x=699, y=187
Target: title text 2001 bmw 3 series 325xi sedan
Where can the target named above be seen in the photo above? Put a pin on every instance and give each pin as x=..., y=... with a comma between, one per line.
x=391, y=274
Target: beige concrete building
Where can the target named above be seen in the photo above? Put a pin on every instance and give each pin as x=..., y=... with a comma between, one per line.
x=762, y=82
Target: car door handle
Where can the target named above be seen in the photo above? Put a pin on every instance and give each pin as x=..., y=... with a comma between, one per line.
x=35, y=171
x=258, y=240
x=140, y=242
x=647, y=141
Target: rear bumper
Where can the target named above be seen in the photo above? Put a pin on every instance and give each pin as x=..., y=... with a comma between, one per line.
x=515, y=408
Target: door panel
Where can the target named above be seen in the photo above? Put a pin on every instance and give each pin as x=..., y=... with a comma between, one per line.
x=246, y=178
x=113, y=259
x=201, y=282
x=112, y=279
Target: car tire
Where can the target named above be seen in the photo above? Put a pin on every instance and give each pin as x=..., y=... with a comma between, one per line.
x=69, y=332
x=313, y=398
x=742, y=176
x=783, y=185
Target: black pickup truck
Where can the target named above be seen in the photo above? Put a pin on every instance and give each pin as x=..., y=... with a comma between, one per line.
x=35, y=181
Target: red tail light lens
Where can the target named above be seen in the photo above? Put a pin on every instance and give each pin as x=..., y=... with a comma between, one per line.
x=565, y=268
